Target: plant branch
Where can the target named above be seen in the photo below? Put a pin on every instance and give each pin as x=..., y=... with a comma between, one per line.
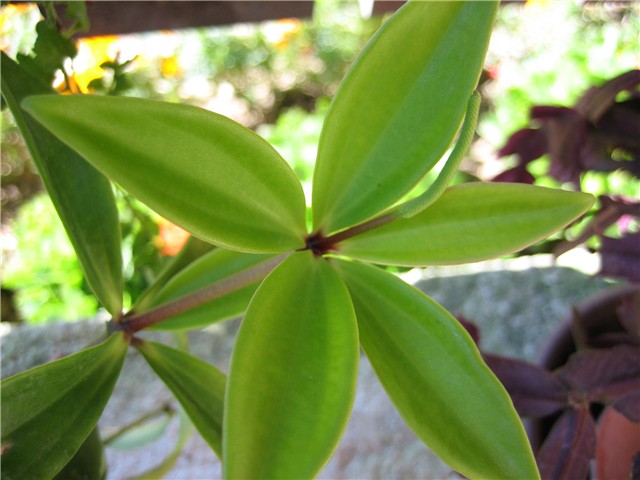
x=320, y=244
x=132, y=323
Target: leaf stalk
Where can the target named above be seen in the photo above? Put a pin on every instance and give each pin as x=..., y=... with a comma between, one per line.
x=132, y=322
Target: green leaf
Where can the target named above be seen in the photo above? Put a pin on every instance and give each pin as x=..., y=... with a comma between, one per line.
x=89, y=463
x=202, y=171
x=293, y=372
x=49, y=411
x=82, y=196
x=469, y=223
x=198, y=386
x=209, y=269
x=165, y=466
x=398, y=109
x=435, y=376
x=142, y=433
x=193, y=249
x=50, y=51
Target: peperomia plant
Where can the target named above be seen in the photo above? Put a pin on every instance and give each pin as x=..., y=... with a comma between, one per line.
x=311, y=296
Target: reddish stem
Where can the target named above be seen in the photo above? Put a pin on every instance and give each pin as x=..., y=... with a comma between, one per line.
x=136, y=322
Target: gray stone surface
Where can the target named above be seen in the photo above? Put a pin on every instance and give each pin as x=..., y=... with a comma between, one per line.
x=515, y=311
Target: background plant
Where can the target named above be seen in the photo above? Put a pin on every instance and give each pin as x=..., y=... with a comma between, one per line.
x=317, y=303
x=587, y=144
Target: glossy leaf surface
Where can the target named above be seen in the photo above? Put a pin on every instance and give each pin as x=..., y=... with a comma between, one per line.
x=209, y=269
x=82, y=196
x=398, y=109
x=198, y=386
x=293, y=372
x=433, y=373
x=202, y=171
x=49, y=411
x=469, y=223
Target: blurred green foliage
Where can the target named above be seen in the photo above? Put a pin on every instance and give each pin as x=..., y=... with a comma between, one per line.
x=550, y=54
x=46, y=274
x=44, y=270
x=299, y=149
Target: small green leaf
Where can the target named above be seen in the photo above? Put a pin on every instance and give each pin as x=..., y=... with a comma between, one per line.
x=83, y=197
x=141, y=434
x=435, y=376
x=165, y=466
x=469, y=223
x=293, y=372
x=49, y=411
x=209, y=269
x=89, y=463
x=50, y=51
x=198, y=386
x=204, y=172
x=398, y=109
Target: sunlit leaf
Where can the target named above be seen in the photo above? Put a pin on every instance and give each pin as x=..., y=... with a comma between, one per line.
x=210, y=268
x=433, y=373
x=83, y=197
x=398, y=109
x=469, y=223
x=89, y=462
x=293, y=372
x=204, y=172
x=49, y=52
x=198, y=386
x=49, y=411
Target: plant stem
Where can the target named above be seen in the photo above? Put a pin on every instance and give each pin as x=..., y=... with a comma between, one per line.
x=320, y=244
x=437, y=188
x=132, y=323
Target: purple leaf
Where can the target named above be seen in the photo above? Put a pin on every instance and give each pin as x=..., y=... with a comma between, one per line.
x=620, y=126
x=470, y=327
x=570, y=446
x=635, y=467
x=603, y=375
x=629, y=406
x=611, y=210
x=629, y=313
x=597, y=100
x=546, y=112
x=566, y=138
x=621, y=257
x=528, y=144
x=535, y=392
x=518, y=174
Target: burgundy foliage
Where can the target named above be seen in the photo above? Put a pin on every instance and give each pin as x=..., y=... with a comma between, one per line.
x=601, y=133
x=604, y=371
